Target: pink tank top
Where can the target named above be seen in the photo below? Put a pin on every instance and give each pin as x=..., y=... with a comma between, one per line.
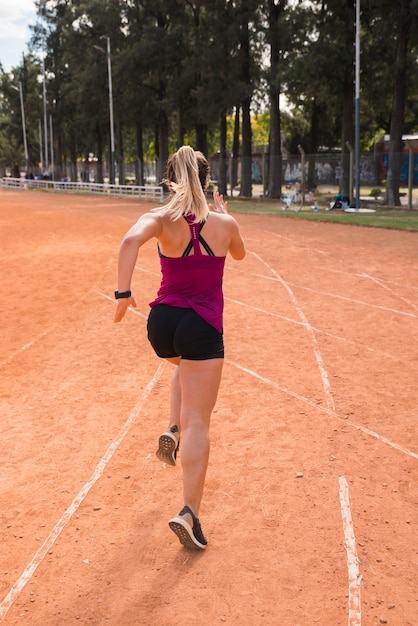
x=194, y=282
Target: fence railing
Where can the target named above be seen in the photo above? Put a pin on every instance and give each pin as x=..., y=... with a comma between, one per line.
x=146, y=192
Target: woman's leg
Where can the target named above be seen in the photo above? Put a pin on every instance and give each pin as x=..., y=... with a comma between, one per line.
x=169, y=441
x=175, y=399
x=199, y=384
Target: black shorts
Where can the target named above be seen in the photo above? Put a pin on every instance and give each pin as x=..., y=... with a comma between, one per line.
x=173, y=331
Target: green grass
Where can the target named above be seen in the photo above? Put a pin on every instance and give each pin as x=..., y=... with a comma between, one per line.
x=399, y=219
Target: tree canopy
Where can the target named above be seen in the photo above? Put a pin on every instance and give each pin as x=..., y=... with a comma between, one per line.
x=212, y=73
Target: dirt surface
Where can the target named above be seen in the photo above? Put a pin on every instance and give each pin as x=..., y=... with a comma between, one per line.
x=319, y=393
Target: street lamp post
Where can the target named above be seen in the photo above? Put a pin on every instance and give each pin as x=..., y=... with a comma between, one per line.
x=357, y=105
x=45, y=117
x=25, y=143
x=22, y=109
x=51, y=137
x=112, y=132
x=41, y=156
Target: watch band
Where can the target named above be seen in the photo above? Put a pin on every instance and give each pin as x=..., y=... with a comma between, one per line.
x=122, y=294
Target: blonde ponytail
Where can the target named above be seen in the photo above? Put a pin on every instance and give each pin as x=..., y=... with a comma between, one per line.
x=183, y=177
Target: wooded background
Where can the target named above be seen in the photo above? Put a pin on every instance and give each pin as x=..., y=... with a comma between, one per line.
x=222, y=75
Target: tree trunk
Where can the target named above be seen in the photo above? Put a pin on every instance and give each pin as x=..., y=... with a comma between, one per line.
x=275, y=144
x=222, y=186
x=347, y=134
x=235, y=150
x=275, y=149
x=121, y=163
x=313, y=143
x=398, y=106
x=99, y=147
x=202, y=137
x=180, y=127
x=139, y=161
x=162, y=154
x=246, y=157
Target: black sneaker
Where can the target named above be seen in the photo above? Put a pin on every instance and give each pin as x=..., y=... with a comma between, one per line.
x=168, y=445
x=188, y=536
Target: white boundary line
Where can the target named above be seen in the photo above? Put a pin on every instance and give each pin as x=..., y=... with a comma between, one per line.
x=346, y=298
x=374, y=306
x=18, y=586
x=354, y=577
x=23, y=348
x=299, y=323
x=130, y=308
x=329, y=412
x=309, y=328
x=381, y=284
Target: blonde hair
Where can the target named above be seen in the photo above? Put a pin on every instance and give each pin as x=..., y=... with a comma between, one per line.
x=187, y=175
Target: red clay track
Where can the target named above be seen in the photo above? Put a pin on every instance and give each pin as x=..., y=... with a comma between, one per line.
x=319, y=388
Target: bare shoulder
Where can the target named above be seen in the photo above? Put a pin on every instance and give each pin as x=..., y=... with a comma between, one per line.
x=148, y=225
x=227, y=230
x=152, y=217
x=225, y=219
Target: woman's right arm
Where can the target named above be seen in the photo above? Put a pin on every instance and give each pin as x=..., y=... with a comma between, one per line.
x=147, y=227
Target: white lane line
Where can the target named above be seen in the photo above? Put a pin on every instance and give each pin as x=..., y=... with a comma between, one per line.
x=327, y=411
x=131, y=309
x=51, y=329
x=75, y=504
x=317, y=330
x=23, y=348
x=361, y=275
x=338, y=297
x=383, y=286
x=347, y=299
x=317, y=353
x=354, y=577
x=295, y=242
x=146, y=271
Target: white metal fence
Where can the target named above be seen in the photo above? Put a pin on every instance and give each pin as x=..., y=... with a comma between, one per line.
x=146, y=192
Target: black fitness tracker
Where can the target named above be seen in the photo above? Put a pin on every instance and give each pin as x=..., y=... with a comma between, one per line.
x=122, y=294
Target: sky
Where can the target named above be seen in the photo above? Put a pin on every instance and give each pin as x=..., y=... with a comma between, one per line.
x=15, y=17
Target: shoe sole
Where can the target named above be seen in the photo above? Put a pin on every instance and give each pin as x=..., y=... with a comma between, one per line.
x=167, y=448
x=185, y=534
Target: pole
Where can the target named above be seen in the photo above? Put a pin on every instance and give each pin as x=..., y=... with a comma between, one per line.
x=302, y=166
x=357, y=105
x=112, y=133
x=52, y=146
x=351, y=151
x=410, y=175
x=45, y=118
x=25, y=143
x=41, y=156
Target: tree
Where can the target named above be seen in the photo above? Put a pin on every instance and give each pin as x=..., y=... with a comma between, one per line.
x=407, y=13
x=12, y=150
x=247, y=19
x=180, y=70
x=275, y=11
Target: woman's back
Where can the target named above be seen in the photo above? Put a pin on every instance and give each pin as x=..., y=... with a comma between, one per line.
x=219, y=231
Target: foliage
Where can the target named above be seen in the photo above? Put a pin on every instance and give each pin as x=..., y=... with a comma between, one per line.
x=182, y=69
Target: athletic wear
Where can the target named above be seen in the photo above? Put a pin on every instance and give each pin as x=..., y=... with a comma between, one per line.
x=168, y=445
x=189, y=536
x=194, y=281
x=175, y=331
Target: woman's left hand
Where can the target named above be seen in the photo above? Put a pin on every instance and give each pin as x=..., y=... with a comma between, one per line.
x=220, y=205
